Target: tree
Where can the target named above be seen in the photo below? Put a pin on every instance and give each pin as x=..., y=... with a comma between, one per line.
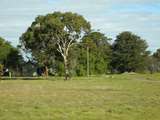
x=10, y=56
x=100, y=50
x=15, y=61
x=157, y=54
x=155, y=62
x=56, y=31
x=129, y=53
x=5, y=48
x=92, y=55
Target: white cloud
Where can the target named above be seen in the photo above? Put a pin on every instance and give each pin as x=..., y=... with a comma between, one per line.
x=111, y=16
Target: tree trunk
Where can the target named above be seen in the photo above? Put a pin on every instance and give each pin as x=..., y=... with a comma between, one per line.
x=46, y=71
x=66, y=68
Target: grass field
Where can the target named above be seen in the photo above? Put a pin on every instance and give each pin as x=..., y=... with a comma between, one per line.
x=117, y=97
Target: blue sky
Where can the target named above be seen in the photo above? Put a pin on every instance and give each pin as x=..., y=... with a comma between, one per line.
x=110, y=16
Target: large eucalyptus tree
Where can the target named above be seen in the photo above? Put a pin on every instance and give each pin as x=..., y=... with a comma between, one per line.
x=54, y=32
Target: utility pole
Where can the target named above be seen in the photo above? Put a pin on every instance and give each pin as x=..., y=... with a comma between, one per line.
x=88, y=61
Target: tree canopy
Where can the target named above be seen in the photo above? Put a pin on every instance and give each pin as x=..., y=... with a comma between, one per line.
x=5, y=49
x=54, y=32
x=157, y=54
x=129, y=53
x=155, y=62
x=99, y=52
x=10, y=56
x=64, y=41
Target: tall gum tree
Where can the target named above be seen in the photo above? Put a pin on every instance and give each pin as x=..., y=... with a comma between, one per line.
x=55, y=31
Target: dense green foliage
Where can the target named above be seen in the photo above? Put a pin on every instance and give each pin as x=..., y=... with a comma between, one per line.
x=157, y=54
x=41, y=39
x=10, y=57
x=5, y=49
x=66, y=44
x=155, y=62
x=99, y=54
x=46, y=39
x=129, y=53
x=54, y=33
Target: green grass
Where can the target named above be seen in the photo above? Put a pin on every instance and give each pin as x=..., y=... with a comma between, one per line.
x=117, y=97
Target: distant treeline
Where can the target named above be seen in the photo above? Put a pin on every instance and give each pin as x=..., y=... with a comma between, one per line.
x=65, y=44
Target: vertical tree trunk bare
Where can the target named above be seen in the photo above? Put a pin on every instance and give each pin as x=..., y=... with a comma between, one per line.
x=63, y=48
x=66, y=68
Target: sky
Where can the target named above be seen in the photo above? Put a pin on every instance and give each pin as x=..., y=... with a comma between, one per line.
x=111, y=17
